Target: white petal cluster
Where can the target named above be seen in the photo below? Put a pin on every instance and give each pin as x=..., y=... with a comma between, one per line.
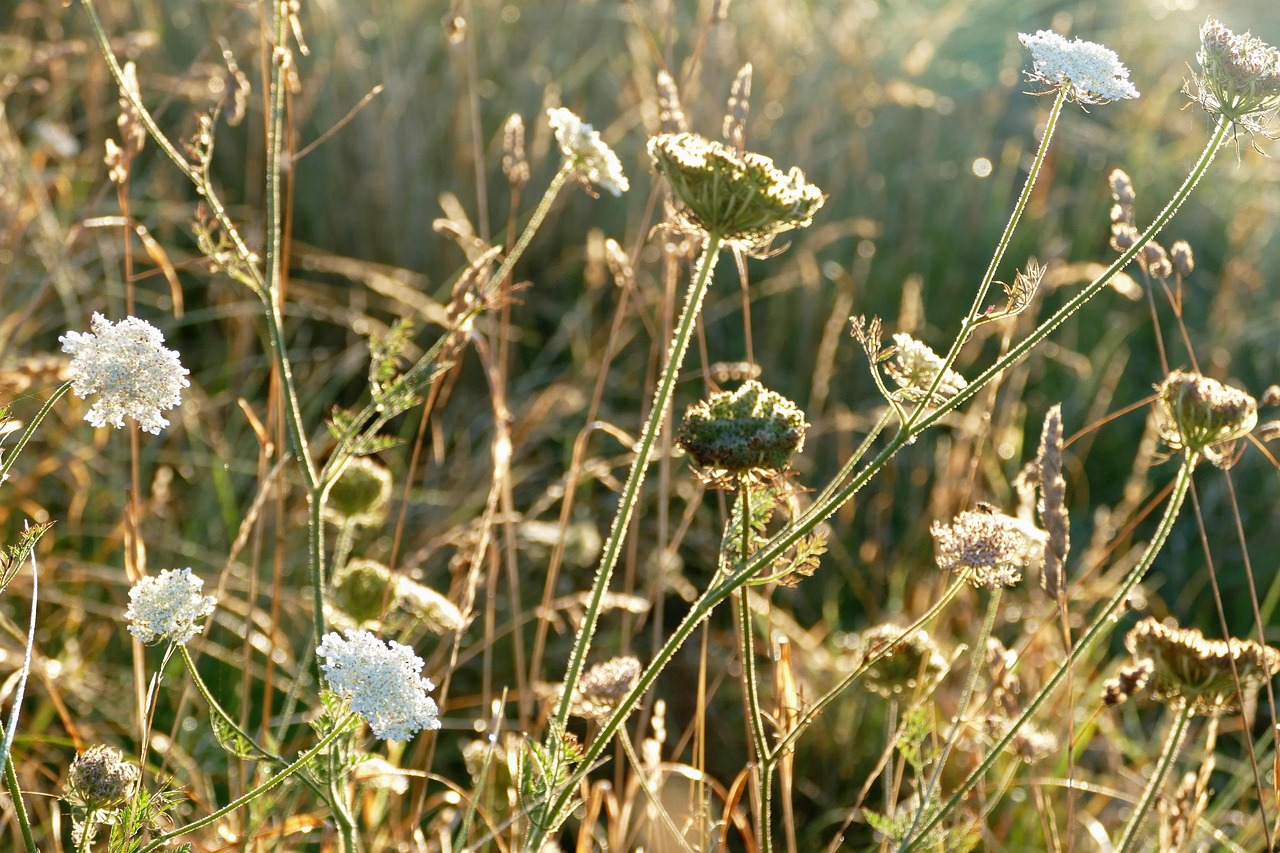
x=168, y=607
x=382, y=681
x=914, y=367
x=1092, y=73
x=126, y=364
x=592, y=160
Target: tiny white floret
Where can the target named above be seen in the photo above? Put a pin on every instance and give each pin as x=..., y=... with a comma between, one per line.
x=168, y=607
x=127, y=365
x=382, y=681
x=1092, y=74
x=592, y=160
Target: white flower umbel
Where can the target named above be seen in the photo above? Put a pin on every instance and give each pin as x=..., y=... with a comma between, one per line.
x=168, y=607
x=126, y=364
x=592, y=161
x=915, y=365
x=382, y=681
x=1091, y=73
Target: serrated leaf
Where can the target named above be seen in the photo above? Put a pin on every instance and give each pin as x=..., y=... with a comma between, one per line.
x=233, y=741
x=13, y=556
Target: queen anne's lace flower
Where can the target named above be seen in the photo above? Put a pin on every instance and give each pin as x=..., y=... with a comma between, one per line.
x=126, y=364
x=382, y=681
x=988, y=548
x=592, y=160
x=168, y=607
x=914, y=367
x=1239, y=78
x=1091, y=73
x=101, y=778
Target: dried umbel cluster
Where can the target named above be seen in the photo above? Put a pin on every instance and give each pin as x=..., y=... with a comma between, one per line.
x=602, y=688
x=1090, y=73
x=1239, y=77
x=909, y=660
x=1186, y=667
x=741, y=197
x=1201, y=415
x=101, y=779
x=750, y=431
x=1128, y=681
x=986, y=547
x=914, y=366
x=1153, y=258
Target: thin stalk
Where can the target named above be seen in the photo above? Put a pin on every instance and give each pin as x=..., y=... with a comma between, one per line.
x=663, y=815
x=11, y=454
x=19, y=808
x=86, y=833
x=975, y=660
x=971, y=319
x=1172, y=746
x=1100, y=625
x=815, y=710
x=751, y=685
x=631, y=491
x=301, y=762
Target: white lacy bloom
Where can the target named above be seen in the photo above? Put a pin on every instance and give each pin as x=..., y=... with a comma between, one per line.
x=127, y=365
x=592, y=160
x=167, y=607
x=382, y=681
x=1093, y=74
x=915, y=365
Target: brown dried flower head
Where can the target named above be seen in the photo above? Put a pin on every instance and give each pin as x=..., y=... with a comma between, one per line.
x=1128, y=681
x=910, y=660
x=1202, y=415
x=603, y=687
x=988, y=548
x=101, y=778
x=741, y=197
x=1190, y=668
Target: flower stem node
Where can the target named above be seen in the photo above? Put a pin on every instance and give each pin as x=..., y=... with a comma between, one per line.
x=1201, y=415
x=742, y=197
x=592, y=161
x=1190, y=668
x=748, y=431
x=168, y=607
x=382, y=681
x=127, y=366
x=1091, y=73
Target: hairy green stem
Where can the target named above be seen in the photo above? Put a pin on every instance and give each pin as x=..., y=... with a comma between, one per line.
x=976, y=658
x=1172, y=746
x=631, y=491
x=11, y=453
x=1100, y=625
x=302, y=761
x=971, y=319
x=750, y=683
x=19, y=808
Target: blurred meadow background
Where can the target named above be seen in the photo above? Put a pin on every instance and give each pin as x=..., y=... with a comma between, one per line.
x=914, y=118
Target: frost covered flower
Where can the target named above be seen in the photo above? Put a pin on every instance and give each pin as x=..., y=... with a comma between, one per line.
x=126, y=364
x=742, y=197
x=914, y=367
x=592, y=161
x=1239, y=77
x=382, y=681
x=988, y=548
x=1091, y=73
x=167, y=607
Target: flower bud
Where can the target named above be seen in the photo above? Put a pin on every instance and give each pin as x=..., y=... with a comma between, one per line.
x=360, y=493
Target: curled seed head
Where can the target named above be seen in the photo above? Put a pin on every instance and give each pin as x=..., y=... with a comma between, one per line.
x=101, y=778
x=910, y=659
x=603, y=687
x=1199, y=413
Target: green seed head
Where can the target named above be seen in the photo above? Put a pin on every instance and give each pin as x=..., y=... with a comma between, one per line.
x=360, y=588
x=1240, y=76
x=748, y=430
x=360, y=493
x=1200, y=414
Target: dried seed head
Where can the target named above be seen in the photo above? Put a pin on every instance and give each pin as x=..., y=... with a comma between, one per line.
x=745, y=431
x=514, y=163
x=360, y=493
x=1189, y=668
x=1122, y=188
x=593, y=162
x=619, y=262
x=987, y=548
x=1239, y=77
x=735, y=117
x=1128, y=681
x=914, y=367
x=1052, y=507
x=1155, y=261
x=1202, y=415
x=1183, y=260
x=1271, y=396
x=909, y=659
x=435, y=611
x=603, y=687
x=101, y=778
x=1091, y=73
x=670, y=113
x=742, y=198
x=1123, y=236
x=360, y=588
